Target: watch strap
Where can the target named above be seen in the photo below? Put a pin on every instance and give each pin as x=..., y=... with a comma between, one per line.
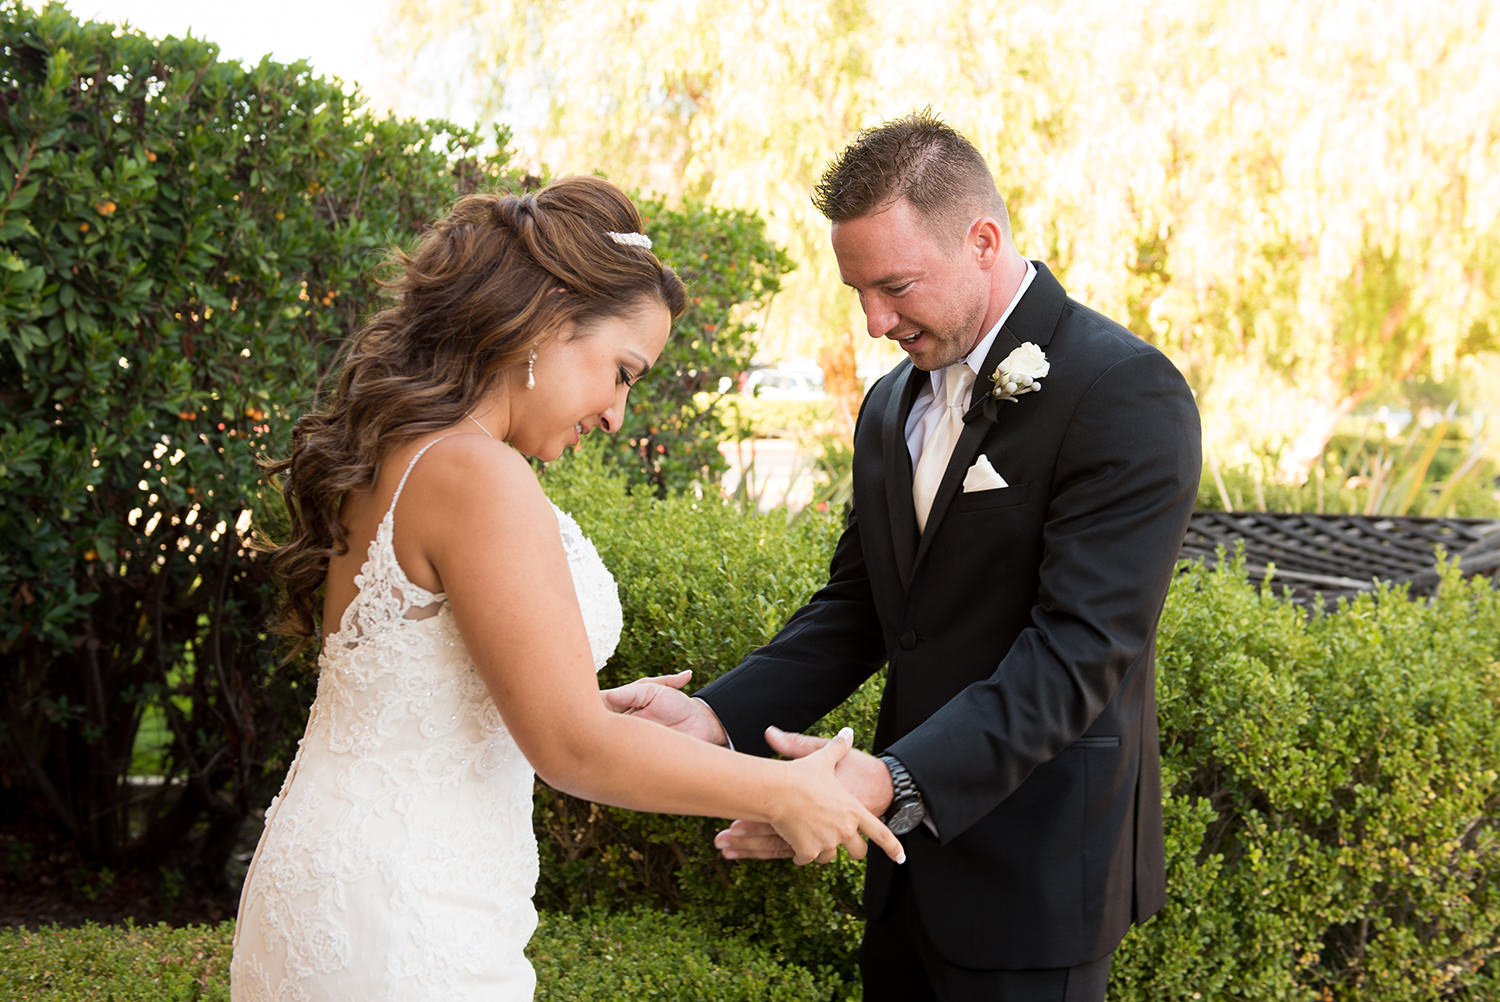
x=904, y=792
x=902, y=787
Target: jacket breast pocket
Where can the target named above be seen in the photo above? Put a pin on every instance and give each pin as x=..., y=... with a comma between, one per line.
x=1000, y=497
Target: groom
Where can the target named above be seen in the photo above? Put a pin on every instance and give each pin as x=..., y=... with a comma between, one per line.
x=1007, y=557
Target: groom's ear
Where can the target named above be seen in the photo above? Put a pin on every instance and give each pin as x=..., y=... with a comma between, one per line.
x=983, y=241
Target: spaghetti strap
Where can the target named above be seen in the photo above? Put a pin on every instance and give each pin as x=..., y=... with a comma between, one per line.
x=409, y=467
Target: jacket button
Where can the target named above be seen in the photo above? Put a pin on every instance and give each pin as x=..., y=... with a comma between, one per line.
x=908, y=640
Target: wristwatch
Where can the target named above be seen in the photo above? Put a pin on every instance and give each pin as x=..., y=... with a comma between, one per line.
x=907, y=808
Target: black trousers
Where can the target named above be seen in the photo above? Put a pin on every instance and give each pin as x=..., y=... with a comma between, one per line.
x=898, y=963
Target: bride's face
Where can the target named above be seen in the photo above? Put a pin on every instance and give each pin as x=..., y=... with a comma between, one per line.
x=583, y=377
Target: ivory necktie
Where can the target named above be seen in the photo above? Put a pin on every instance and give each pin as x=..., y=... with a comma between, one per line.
x=958, y=380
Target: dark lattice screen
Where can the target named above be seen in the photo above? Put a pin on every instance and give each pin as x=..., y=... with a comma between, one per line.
x=1323, y=557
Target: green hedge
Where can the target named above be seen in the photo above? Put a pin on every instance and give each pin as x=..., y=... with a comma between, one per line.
x=650, y=955
x=1333, y=807
x=702, y=582
x=123, y=963
x=183, y=242
x=641, y=955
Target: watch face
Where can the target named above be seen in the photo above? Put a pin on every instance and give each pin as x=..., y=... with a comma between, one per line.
x=907, y=817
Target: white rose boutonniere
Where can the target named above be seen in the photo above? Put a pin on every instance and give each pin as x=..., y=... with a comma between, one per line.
x=1019, y=373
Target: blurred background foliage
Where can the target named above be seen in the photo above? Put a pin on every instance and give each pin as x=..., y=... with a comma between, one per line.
x=1296, y=199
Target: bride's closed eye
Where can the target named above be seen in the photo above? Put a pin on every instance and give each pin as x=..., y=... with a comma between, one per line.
x=627, y=378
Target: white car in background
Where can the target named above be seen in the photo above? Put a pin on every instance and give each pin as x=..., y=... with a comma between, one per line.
x=783, y=381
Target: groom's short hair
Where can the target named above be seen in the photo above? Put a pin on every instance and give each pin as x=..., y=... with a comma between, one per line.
x=918, y=158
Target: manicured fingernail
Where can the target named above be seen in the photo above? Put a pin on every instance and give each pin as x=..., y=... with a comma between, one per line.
x=773, y=729
x=847, y=734
x=901, y=858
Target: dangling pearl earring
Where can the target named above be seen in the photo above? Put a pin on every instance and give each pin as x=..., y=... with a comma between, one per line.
x=531, y=372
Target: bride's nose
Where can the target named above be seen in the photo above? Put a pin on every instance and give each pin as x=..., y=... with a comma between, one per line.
x=613, y=418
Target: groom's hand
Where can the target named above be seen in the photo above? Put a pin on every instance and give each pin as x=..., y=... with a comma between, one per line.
x=660, y=699
x=862, y=774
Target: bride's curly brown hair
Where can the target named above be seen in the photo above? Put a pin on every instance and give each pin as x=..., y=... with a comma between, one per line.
x=482, y=289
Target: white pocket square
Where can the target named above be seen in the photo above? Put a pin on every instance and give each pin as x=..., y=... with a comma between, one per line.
x=982, y=477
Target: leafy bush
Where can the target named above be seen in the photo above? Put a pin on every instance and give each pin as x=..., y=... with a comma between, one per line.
x=123, y=963
x=702, y=581
x=1333, y=804
x=183, y=244
x=640, y=955
x=649, y=955
x=730, y=268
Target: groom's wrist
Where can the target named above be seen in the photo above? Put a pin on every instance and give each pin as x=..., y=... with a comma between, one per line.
x=907, y=809
x=717, y=735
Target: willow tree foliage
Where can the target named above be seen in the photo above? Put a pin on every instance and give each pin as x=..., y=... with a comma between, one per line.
x=1296, y=199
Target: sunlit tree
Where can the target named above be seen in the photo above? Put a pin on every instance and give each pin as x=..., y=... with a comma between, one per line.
x=1296, y=199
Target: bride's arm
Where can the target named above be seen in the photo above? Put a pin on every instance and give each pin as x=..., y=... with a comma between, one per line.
x=479, y=519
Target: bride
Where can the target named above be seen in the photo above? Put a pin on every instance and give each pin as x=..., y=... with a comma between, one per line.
x=463, y=619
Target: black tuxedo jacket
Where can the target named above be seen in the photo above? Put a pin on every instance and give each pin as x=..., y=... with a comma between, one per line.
x=1018, y=630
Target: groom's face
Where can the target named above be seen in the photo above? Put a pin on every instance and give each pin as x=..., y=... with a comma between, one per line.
x=926, y=294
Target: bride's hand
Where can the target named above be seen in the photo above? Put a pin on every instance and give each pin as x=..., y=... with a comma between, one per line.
x=660, y=699
x=822, y=815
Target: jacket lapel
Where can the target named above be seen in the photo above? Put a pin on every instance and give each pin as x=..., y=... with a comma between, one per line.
x=898, y=471
x=1034, y=318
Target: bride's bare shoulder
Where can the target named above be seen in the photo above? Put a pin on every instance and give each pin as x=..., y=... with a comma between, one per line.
x=470, y=471
x=465, y=494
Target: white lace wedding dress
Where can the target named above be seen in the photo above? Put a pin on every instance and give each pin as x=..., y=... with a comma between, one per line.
x=398, y=862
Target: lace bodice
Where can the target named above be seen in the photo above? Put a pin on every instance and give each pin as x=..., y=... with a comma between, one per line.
x=386, y=596
x=398, y=861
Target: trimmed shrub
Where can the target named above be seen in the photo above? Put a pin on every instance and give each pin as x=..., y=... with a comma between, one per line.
x=184, y=243
x=703, y=581
x=640, y=955
x=1333, y=805
x=650, y=955
x=125, y=963
x=1334, y=808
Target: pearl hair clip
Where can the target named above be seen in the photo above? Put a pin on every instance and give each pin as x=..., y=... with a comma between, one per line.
x=631, y=239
